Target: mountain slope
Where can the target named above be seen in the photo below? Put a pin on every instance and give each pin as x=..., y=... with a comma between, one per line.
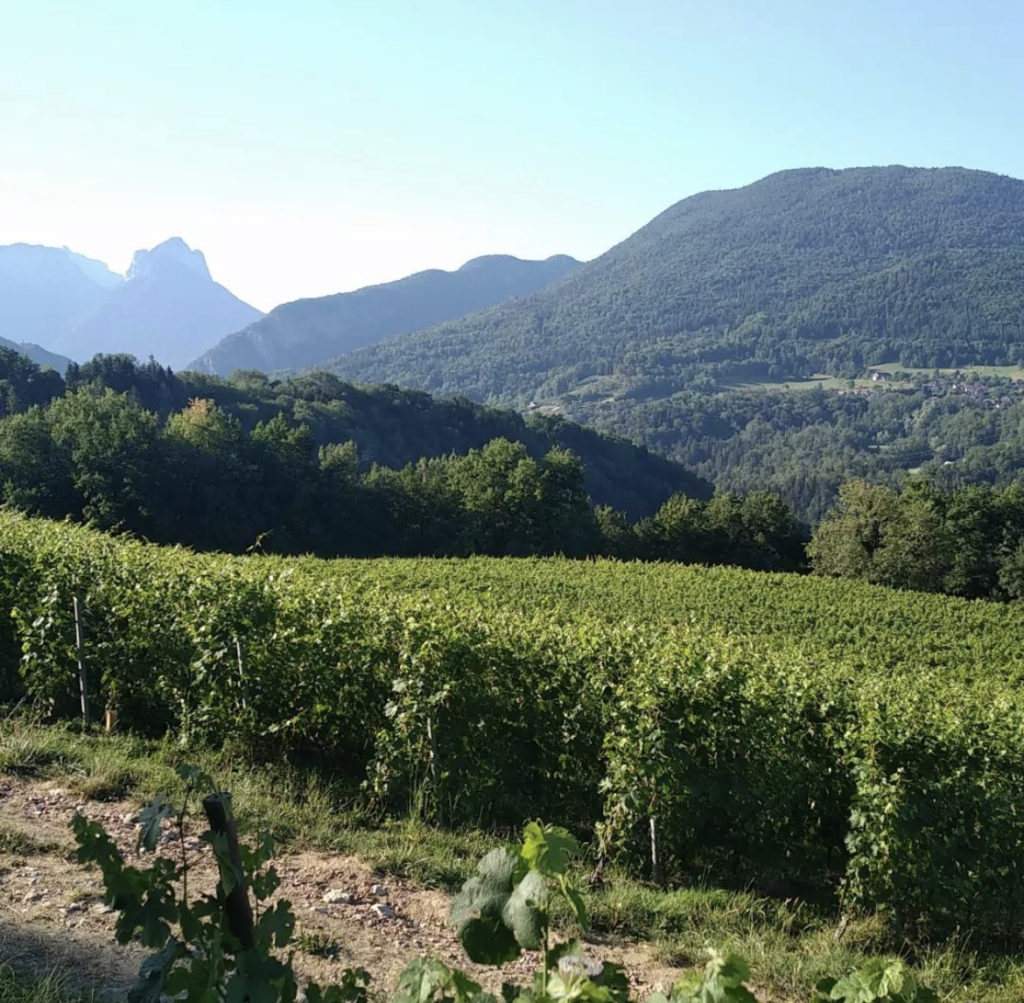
x=803, y=271
x=44, y=289
x=168, y=306
x=39, y=355
x=305, y=332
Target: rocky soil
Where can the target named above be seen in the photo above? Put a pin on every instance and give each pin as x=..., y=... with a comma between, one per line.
x=52, y=910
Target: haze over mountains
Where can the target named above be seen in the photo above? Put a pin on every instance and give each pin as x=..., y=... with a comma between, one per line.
x=167, y=305
x=309, y=331
x=804, y=271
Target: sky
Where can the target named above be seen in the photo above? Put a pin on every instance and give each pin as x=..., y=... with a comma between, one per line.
x=315, y=146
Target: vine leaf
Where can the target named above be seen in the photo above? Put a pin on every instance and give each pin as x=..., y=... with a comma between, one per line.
x=476, y=911
x=877, y=981
x=278, y=923
x=547, y=848
x=151, y=983
x=525, y=910
x=575, y=900
x=151, y=820
x=423, y=978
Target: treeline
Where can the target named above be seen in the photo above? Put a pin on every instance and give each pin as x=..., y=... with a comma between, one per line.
x=115, y=445
x=966, y=542
x=199, y=478
x=389, y=425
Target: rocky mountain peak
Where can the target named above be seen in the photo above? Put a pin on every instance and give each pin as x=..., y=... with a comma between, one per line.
x=175, y=251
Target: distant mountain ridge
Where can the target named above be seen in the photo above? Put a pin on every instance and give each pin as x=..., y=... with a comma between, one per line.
x=167, y=305
x=812, y=270
x=306, y=332
x=43, y=290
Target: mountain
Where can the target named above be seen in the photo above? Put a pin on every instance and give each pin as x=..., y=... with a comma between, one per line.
x=300, y=334
x=168, y=306
x=805, y=271
x=39, y=355
x=44, y=289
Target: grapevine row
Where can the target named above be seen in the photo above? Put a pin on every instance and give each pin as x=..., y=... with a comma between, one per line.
x=823, y=737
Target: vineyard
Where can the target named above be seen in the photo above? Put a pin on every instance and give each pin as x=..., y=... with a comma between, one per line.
x=823, y=738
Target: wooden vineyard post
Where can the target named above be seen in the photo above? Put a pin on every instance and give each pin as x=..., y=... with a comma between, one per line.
x=83, y=680
x=236, y=902
x=655, y=859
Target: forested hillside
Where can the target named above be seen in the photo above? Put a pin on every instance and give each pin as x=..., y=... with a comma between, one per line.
x=804, y=271
x=953, y=430
x=312, y=464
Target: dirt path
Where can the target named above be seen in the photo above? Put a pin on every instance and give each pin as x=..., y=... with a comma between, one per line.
x=52, y=912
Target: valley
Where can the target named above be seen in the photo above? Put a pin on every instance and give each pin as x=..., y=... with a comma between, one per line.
x=651, y=547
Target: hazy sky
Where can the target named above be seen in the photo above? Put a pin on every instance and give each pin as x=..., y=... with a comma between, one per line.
x=314, y=146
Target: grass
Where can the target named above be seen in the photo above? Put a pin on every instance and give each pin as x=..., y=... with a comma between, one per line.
x=1007, y=372
x=814, y=383
x=789, y=944
x=52, y=987
x=22, y=844
x=318, y=944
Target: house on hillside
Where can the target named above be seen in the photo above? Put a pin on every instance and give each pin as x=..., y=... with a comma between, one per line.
x=880, y=375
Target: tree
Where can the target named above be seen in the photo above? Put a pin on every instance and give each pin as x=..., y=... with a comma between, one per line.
x=110, y=443
x=915, y=548
x=846, y=540
x=771, y=538
x=36, y=475
x=676, y=532
x=563, y=522
x=210, y=504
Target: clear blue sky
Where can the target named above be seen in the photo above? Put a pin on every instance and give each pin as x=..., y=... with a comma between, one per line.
x=314, y=146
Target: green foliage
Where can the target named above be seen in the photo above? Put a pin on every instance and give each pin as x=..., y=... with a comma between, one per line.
x=505, y=907
x=758, y=531
x=721, y=982
x=890, y=982
x=427, y=980
x=197, y=953
x=965, y=541
x=478, y=911
x=818, y=738
x=215, y=463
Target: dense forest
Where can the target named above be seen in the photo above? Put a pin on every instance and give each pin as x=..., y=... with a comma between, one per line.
x=250, y=464
x=389, y=426
x=802, y=445
x=967, y=542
